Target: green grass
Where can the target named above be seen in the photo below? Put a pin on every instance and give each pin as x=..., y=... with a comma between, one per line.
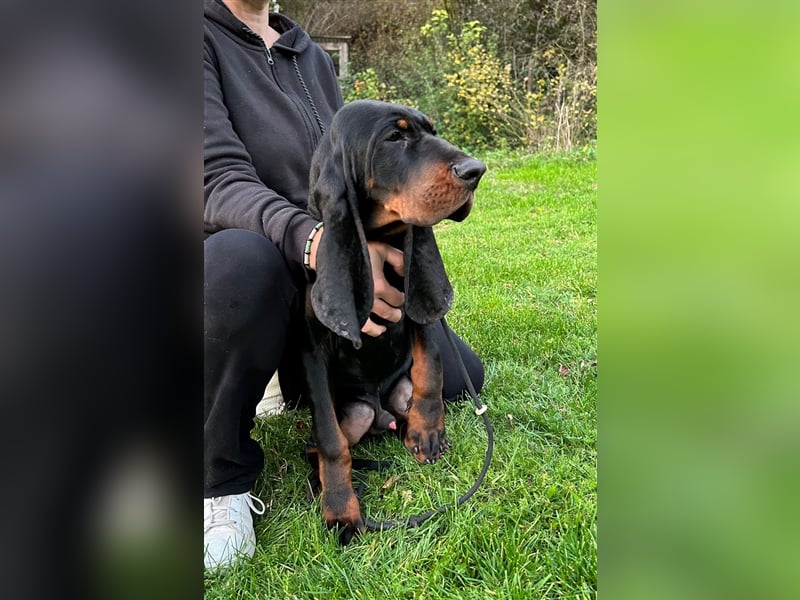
x=524, y=269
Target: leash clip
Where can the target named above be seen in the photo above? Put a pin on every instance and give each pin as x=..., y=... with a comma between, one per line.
x=481, y=410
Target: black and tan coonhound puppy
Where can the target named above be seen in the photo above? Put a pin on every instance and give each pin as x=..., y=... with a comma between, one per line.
x=379, y=173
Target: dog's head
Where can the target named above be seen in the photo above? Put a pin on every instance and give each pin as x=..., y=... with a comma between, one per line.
x=381, y=170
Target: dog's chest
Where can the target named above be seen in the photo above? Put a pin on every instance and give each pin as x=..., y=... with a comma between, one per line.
x=379, y=361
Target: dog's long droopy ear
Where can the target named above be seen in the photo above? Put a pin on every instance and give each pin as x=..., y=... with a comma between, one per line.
x=428, y=291
x=342, y=293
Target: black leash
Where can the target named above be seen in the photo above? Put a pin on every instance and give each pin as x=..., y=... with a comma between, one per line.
x=480, y=409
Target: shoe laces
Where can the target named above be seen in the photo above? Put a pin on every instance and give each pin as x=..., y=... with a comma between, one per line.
x=226, y=510
x=252, y=500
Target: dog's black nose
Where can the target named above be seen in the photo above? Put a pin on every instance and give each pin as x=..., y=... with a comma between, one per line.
x=470, y=170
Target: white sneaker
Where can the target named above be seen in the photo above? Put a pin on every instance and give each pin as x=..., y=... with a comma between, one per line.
x=228, y=528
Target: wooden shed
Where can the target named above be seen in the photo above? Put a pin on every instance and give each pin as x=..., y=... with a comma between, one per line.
x=336, y=46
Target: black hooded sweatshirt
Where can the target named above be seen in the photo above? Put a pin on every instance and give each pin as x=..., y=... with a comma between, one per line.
x=265, y=112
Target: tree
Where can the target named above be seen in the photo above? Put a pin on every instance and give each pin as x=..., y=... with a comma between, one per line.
x=547, y=48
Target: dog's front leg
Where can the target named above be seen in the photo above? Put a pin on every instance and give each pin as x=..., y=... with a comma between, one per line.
x=425, y=435
x=340, y=507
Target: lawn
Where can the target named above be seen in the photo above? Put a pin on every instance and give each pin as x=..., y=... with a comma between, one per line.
x=524, y=270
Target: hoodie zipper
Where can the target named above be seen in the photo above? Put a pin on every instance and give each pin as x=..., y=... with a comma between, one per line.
x=271, y=63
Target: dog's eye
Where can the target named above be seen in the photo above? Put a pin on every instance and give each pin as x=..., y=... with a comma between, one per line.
x=395, y=136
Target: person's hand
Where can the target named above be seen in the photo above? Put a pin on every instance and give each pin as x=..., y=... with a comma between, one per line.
x=388, y=300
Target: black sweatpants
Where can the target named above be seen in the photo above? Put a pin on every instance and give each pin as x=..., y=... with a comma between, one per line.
x=252, y=315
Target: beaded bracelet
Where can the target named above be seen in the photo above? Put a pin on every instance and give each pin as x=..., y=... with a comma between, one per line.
x=307, y=249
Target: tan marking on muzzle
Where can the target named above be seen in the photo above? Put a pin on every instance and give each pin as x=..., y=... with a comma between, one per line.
x=433, y=195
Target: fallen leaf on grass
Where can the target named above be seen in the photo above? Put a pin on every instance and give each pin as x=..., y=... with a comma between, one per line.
x=388, y=484
x=510, y=421
x=563, y=370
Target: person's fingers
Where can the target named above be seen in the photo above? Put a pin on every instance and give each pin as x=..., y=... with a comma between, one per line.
x=381, y=253
x=384, y=291
x=386, y=311
x=387, y=298
x=394, y=257
x=372, y=329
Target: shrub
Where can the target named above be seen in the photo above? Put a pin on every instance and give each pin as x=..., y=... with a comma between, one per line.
x=456, y=79
x=560, y=112
x=477, y=90
x=366, y=85
x=453, y=73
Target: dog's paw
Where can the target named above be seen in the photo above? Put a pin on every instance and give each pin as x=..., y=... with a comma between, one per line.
x=427, y=445
x=342, y=512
